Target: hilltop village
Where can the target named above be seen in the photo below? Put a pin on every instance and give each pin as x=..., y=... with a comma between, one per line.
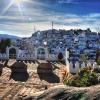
x=78, y=42
x=32, y=68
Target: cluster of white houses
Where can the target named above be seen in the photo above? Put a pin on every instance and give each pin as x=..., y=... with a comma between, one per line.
x=43, y=54
x=40, y=53
x=77, y=41
x=46, y=45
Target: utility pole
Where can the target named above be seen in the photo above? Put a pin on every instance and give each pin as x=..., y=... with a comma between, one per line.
x=34, y=29
x=52, y=25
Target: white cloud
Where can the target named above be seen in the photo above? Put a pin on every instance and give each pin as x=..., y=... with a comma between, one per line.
x=22, y=26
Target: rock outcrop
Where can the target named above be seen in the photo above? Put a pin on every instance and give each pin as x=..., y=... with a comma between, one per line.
x=68, y=93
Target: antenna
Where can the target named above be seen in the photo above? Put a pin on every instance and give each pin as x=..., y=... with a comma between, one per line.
x=52, y=25
x=34, y=29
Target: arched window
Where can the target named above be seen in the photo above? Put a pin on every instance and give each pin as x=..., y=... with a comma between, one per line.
x=41, y=53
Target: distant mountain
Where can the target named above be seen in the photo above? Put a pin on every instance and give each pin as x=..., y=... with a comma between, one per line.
x=5, y=36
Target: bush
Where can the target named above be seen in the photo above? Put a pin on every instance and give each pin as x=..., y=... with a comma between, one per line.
x=83, y=79
x=98, y=61
x=98, y=57
x=78, y=96
x=60, y=56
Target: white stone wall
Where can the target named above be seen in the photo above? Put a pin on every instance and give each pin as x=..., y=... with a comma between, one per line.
x=3, y=56
x=52, y=57
x=26, y=57
x=74, y=67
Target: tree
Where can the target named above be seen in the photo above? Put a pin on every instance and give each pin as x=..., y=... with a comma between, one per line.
x=60, y=56
x=3, y=44
x=97, y=57
x=7, y=42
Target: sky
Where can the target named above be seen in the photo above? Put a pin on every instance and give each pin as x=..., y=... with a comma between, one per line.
x=24, y=17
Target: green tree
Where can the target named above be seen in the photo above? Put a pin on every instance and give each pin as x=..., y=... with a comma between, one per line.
x=3, y=45
x=97, y=57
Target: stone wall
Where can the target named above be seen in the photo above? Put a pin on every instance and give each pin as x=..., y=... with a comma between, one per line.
x=75, y=66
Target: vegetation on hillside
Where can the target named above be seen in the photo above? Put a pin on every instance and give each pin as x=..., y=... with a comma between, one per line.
x=85, y=77
x=3, y=44
x=98, y=57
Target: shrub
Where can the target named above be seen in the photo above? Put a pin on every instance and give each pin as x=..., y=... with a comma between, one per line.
x=98, y=61
x=78, y=96
x=98, y=57
x=60, y=56
x=84, y=78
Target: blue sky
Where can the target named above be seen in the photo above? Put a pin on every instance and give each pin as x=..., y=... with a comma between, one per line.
x=20, y=19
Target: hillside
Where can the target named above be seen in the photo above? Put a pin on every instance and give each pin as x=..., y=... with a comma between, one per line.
x=5, y=36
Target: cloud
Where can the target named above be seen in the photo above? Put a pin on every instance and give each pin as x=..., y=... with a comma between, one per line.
x=23, y=26
x=41, y=14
